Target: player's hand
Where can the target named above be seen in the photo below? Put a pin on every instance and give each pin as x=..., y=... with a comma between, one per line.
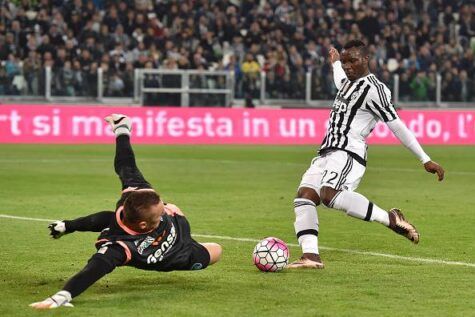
x=333, y=55
x=433, y=167
x=57, y=229
x=172, y=210
x=61, y=298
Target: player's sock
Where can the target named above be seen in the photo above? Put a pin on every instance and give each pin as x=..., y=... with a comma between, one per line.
x=306, y=224
x=358, y=206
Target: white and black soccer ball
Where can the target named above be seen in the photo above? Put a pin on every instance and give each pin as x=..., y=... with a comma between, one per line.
x=271, y=255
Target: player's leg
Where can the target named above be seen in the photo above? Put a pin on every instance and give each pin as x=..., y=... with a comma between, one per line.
x=215, y=250
x=201, y=256
x=338, y=193
x=306, y=216
x=124, y=161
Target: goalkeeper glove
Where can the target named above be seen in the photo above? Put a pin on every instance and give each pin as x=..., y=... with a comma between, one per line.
x=57, y=229
x=61, y=298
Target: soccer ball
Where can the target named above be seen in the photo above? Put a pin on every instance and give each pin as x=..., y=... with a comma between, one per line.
x=271, y=255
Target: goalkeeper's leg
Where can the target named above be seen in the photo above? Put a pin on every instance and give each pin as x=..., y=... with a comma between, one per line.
x=124, y=161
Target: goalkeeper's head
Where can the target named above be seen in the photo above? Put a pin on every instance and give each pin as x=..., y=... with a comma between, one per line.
x=143, y=210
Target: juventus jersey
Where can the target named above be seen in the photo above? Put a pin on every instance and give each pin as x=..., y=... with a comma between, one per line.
x=358, y=106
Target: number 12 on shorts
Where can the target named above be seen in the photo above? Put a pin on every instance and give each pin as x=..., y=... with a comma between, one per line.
x=331, y=177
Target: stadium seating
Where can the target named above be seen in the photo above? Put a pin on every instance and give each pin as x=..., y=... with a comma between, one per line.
x=415, y=39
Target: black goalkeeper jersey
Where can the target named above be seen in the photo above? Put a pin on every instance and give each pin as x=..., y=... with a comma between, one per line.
x=166, y=248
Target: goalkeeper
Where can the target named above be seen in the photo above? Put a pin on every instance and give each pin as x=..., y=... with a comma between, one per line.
x=143, y=232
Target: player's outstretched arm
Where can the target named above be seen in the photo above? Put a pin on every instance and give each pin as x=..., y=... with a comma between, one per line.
x=100, y=264
x=407, y=138
x=93, y=223
x=61, y=298
x=338, y=72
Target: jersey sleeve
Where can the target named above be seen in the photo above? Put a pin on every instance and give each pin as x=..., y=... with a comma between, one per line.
x=107, y=258
x=94, y=222
x=339, y=76
x=379, y=102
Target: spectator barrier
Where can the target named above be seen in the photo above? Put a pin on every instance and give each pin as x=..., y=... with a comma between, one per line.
x=76, y=124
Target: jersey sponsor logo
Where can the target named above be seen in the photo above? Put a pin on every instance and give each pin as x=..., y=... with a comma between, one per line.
x=166, y=245
x=144, y=244
x=340, y=105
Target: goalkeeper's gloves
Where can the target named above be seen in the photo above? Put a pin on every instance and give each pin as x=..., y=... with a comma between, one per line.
x=61, y=298
x=57, y=229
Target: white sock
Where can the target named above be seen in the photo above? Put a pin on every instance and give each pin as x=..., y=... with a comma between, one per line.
x=121, y=130
x=358, y=206
x=306, y=224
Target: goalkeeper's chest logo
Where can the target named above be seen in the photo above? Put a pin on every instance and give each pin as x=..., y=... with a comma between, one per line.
x=160, y=248
x=145, y=244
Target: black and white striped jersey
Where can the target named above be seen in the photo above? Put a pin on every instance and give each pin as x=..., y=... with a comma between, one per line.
x=358, y=106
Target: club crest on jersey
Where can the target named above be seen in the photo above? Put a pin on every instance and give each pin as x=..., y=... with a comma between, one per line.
x=355, y=95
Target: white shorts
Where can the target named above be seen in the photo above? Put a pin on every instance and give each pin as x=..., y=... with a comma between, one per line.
x=336, y=169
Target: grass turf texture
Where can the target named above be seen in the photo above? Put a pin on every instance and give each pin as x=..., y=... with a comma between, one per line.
x=241, y=191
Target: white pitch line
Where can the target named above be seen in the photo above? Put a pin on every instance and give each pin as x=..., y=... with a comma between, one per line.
x=391, y=256
x=26, y=218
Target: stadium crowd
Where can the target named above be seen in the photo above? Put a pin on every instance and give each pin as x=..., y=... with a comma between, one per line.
x=413, y=38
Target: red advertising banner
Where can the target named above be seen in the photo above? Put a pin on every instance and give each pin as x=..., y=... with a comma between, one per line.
x=85, y=124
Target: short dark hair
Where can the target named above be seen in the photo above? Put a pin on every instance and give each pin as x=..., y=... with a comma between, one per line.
x=137, y=203
x=359, y=45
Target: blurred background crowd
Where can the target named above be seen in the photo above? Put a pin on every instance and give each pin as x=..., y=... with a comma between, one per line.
x=416, y=39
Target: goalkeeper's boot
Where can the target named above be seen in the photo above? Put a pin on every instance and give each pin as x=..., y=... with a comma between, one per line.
x=57, y=229
x=400, y=225
x=307, y=261
x=119, y=122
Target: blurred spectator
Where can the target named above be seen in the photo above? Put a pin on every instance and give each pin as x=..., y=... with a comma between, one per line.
x=405, y=90
x=251, y=77
x=466, y=87
x=419, y=86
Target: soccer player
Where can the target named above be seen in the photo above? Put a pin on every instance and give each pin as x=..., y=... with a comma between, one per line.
x=362, y=100
x=143, y=232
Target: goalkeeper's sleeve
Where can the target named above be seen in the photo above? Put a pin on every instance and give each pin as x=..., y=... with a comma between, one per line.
x=103, y=262
x=95, y=222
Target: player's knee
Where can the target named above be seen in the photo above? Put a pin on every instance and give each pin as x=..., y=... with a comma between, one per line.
x=215, y=251
x=327, y=194
x=308, y=193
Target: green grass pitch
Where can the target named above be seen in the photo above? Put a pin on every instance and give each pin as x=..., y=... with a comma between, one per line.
x=242, y=192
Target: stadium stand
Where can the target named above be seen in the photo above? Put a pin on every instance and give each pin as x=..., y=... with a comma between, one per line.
x=415, y=39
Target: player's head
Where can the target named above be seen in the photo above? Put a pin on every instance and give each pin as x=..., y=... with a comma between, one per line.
x=354, y=59
x=143, y=210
